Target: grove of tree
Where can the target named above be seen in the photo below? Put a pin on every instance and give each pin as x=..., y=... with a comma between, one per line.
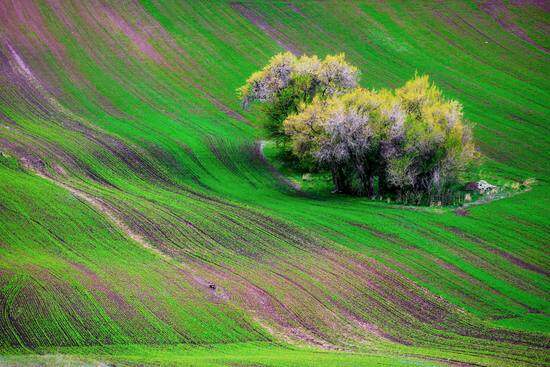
x=410, y=140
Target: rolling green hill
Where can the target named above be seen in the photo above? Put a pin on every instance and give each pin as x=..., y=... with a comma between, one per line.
x=141, y=223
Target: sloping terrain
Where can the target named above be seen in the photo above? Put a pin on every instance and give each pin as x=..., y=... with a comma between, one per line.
x=140, y=223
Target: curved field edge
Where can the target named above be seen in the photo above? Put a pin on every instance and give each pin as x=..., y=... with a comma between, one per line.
x=155, y=189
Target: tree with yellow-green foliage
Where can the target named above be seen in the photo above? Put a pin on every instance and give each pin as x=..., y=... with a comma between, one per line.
x=435, y=145
x=410, y=140
x=345, y=134
x=287, y=82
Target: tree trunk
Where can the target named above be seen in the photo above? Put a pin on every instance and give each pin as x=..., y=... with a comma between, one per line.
x=370, y=185
x=366, y=180
x=340, y=181
x=336, y=180
x=382, y=184
x=363, y=180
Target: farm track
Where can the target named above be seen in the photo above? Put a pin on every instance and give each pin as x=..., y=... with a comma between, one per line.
x=280, y=177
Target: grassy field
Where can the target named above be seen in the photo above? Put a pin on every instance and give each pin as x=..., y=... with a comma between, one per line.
x=131, y=182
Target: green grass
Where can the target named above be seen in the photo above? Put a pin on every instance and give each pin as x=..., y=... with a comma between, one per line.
x=241, y=354
x=169, y=193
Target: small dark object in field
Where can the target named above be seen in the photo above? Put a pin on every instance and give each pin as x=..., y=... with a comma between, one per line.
x=462, y=212
x=212, y=286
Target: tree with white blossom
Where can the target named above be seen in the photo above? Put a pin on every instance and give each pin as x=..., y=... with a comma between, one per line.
x=410, y=140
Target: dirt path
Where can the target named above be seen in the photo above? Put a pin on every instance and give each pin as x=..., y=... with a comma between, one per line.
x=280, y=177
x=109, y=212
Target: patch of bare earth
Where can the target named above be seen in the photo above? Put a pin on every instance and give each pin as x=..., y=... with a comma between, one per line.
x=519, y=262
x=511, y=258
x=220, y=105
x=498, y=11
x=259, y=21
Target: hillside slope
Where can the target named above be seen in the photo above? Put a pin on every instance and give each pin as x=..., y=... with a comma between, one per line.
x=136, y=207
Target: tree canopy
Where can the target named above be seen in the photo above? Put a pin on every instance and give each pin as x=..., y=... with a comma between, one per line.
x=385, y=142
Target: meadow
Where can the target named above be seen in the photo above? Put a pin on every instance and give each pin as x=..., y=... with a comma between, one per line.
x=143, y=223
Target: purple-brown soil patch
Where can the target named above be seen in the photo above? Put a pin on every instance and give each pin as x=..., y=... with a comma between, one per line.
x=462, y=212
x=205, y=279
x=98, y=285
x=296, y=9
x=456, y=271
x=279, y=314
x=220, y=105
x=513, y=259
x=542, y=4
x=28, y=159
x=13, y=14
x=477, y=260
x=449, y=362
x=39, y=100
x=389, y=237
x=269, y=311
x=519, y=262
x=235, y=288
x=41, y=292
x=140, y=40
x=259, y=21
x=370, y=328
x=395, y=288
x=498, y=11
x=472, y=283
x=460, y=233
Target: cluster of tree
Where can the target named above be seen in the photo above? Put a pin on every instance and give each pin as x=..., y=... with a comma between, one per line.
x=386, y=142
